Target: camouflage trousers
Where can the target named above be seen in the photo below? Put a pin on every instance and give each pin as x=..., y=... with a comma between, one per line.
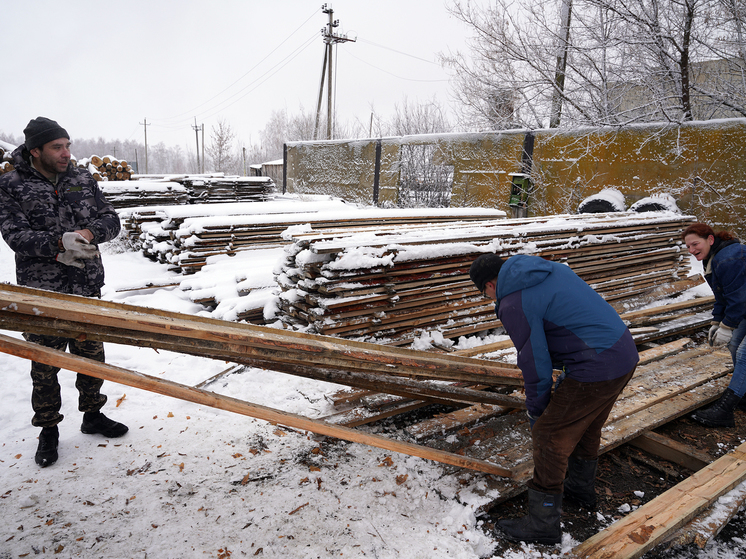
x=46, y=399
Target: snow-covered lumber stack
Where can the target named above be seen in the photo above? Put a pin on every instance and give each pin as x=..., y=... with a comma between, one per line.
x=129, y=194
x=391, y=283
x=229, y=189
x=186, y=241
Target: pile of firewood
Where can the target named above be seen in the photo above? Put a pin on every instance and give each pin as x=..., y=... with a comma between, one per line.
x=392, y=283
x=5, y=165
x=106, y=168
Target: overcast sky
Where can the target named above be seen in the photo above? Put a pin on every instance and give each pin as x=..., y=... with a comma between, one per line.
x=102, y=68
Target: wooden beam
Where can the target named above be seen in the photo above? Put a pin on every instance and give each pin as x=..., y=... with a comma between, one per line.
x=708, y=524
x=671, y=450
x=650, y=524
x=112, y=373
x=662, y=351
x=354, y=374
x=267, y=343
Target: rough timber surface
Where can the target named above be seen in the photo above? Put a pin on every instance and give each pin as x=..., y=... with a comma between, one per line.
x=659, y=392
x=650, y=524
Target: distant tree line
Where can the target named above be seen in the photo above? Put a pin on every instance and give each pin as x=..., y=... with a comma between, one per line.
x=225, y=153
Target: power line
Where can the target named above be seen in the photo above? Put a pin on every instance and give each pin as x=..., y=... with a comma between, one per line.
x=399, y=52
x=256, y=83
x=191, y=111
x=391, y=73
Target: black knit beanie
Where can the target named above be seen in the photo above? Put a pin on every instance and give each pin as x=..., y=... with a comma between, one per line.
x=41, y=130
x=485, y=268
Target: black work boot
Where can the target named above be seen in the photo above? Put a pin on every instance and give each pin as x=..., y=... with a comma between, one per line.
x=542, y=525
x=720, y=414
x=46, y=452
x=96, y=422
x=580, y=485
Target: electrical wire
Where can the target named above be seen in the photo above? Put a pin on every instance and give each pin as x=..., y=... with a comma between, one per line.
x=391, y=73
x=190, y=112
x=215, y=109
x=398, y=51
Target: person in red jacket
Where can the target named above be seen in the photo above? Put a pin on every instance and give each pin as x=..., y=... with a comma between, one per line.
x=557, y=321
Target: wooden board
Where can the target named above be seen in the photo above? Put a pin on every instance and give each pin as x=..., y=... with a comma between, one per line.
x=650, y=524
x=104, y=371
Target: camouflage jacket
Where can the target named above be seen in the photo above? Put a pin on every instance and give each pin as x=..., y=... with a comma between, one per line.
x=34, y=214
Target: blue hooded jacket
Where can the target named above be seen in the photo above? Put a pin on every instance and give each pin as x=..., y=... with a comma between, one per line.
x=728, y=282
x=553, y=316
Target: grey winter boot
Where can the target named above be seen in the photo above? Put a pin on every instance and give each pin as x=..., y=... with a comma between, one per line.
x=542, y=525
x=580, y=485
x=720, y=414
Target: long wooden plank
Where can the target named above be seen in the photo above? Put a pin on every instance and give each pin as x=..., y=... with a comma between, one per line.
x=708, y=524
x=355, y=375
x=112, y=373
x=650, y=524
x=289, y=346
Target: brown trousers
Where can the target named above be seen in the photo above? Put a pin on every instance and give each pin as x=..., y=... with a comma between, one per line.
x=571, y=426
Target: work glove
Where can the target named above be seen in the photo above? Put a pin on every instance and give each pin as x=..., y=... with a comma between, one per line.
x=722, y=336
x=711, y=334
x=77, y=249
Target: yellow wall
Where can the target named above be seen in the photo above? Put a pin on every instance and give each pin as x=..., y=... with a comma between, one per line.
x=702, y=164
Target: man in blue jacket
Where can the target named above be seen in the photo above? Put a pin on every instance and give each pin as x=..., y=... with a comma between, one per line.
x=53, y=216
x=556, y=320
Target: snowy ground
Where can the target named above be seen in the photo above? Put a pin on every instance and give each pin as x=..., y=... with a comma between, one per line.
x=188, y=481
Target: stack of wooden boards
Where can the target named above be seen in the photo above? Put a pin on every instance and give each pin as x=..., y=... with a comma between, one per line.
x=211, y=190
x=149, y=190
x=389, y=283
x=184, y=239
x=131, y=194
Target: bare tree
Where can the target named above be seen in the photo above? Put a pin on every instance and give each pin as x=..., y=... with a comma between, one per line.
x=221, y=148
x=418, y=118
x=614, y=62
x=721, y=80
x=425, y=175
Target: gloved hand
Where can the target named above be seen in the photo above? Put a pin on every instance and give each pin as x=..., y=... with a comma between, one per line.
x=68, y=259
x=711, y=334
x=77, y=249
x=722, y=336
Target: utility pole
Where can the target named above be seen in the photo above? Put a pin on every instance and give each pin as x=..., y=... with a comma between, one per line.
x=202, y=127
x=330, y=39
x=145, y=126
x=196, y=137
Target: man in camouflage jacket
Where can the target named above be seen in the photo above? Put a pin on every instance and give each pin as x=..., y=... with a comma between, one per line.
x=53, y=215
